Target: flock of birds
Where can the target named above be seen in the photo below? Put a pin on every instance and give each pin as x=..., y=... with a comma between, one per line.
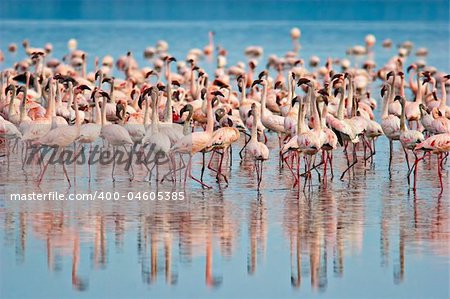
x=313, y=109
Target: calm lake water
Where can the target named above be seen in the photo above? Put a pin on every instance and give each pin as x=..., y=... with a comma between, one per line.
x=366, y=237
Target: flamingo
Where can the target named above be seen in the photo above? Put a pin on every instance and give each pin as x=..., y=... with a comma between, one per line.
x=61, y=137
x=389, y=123
x=408, y=138
x=158, y=141
x=221, y=140
x=310, y=141
x=209, y=49
x=195, y=143
x=90, y=132
x=115, y=134
x=269, y=121
x=438, y=144
x=258, y=150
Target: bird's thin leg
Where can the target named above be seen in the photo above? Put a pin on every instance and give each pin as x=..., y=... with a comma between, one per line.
x=416, y=163
x=187, y=170
x=65, y=172
x=331, y=165
x=129, y=165
x=355, y=156
x=298, y=168
x=74, y=164
x=415, y=170
x=290, y=168
x=260, y=174
x=195, y=179
x=390, y=154
x=210, y=159
x=315, y=166
x=325, y=162
x=203, y=166
x=231, y=156
x=439, y=156
x=443, y=161
x=257, y=172
x=406, y=158
x=306, y=171
x=219, y=171
x=247, y=140
x=89, y=162
x=355, y=160
x=114, y=164
x=7, y=151
x=44, y=169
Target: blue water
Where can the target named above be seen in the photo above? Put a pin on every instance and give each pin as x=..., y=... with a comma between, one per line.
x=367, y=237
x=194, y=10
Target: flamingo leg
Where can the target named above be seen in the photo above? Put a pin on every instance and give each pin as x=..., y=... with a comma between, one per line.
x=89, y=162
x=439, y=157
x=195, y=179
x=331, y=165
x=247, y=140
x=260, y=175
x=114, y=164
x=291, y=169
x=65, y=172
x=355, y=160
x=407, y=163
x=203, y=166
x=390, y=154
x=43, y=170
x=415, y=170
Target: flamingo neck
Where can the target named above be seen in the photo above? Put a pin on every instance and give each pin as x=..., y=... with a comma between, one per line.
x=350, y=97
x=254, y=135
x=209, y=117
x=59, y=96
x=386, y=97
x=402, y=117
x=187, y=123
x=419, y=89
x=243, y=93
x=444, y=96
x=192, y=84
x=301, y=128
x=104, y=112
x=324, y=117
x=51, y=98
x=100, y=80
x=290, y=93
x=341, y=104
x=22, y=105
x=98, y=113
x=155, y=117
x=146, y=112
x=168, y=109
x=263, y=100
x=11, y=103
x=315, y=112
x=402, y=87
x=111, y=91
x=392, y=91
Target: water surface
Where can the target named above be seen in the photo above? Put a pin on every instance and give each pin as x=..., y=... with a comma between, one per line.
x=365, y=237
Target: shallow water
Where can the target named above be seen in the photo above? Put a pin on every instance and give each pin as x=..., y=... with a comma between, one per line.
x=367, y=236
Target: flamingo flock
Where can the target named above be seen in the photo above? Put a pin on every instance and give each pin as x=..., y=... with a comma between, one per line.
x=313, y=110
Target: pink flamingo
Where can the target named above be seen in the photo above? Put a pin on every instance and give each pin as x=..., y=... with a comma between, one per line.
x=61, y=137
x=196, y=142
x=258, y=150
